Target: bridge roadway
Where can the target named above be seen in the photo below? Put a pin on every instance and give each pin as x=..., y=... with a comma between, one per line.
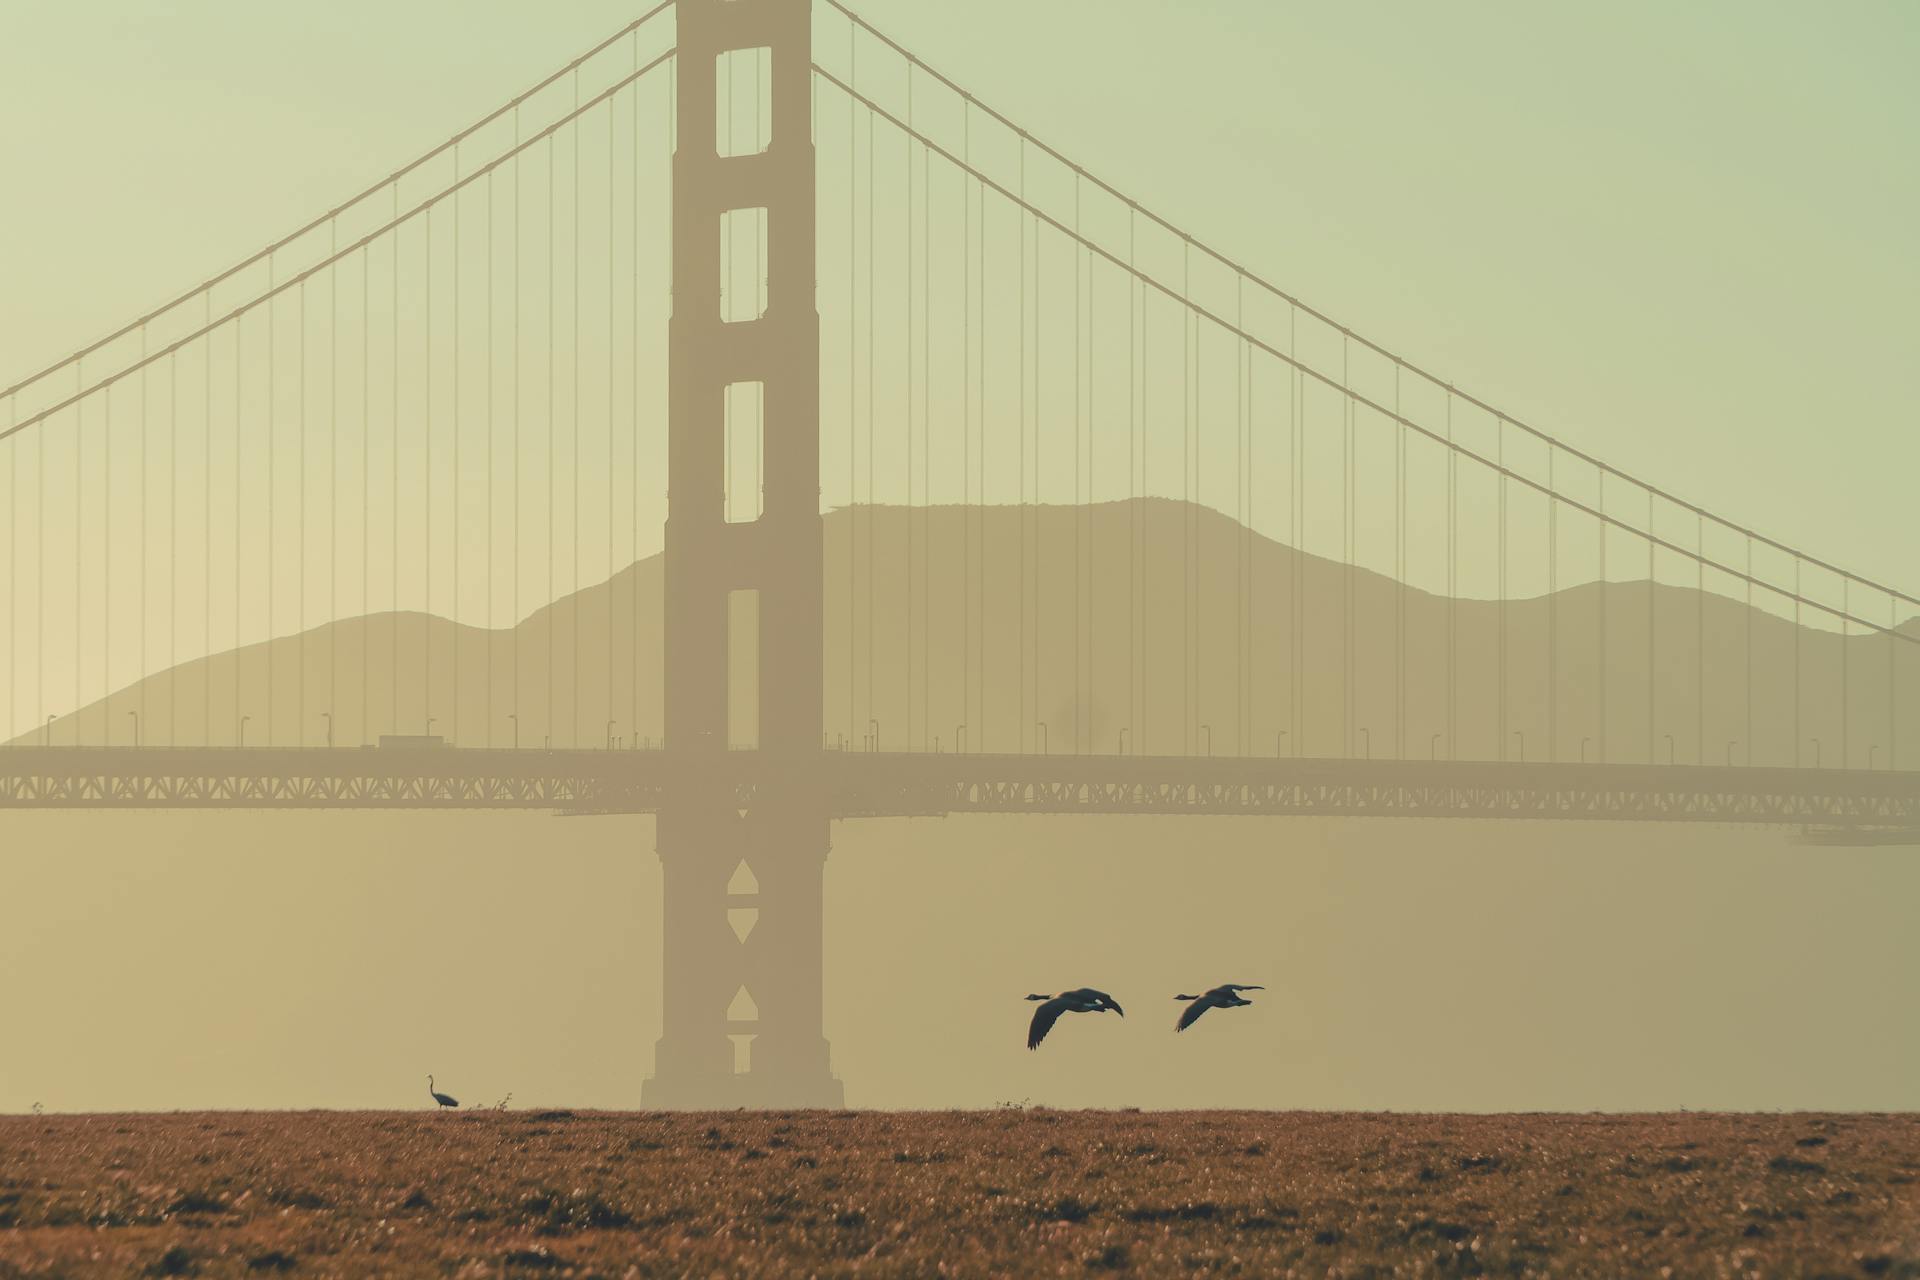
x=1841, y=802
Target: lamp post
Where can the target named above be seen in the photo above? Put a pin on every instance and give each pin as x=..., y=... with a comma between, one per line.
x=136, y=727
x=1871, y=748
x=610, y=735
x=873, y=735
x=1433, y=747
x=1522, y=735
x=515, y=717
x=1366, y=741
x=243, y=729
x=328, y=717
x=1816, y=753
x=1669, y=738
x=1583, y=749
x=1208, y=730
x=960, y=739
x=1042, y=727
x=49, y=731
x=1123, y=739
x=1277, y=739
x=1730, y=742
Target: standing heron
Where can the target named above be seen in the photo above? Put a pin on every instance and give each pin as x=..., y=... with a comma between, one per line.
x=444, y=1099
x=1079, y=1000
x=1225, y=996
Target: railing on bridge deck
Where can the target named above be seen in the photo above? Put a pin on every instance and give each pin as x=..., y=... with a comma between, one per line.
x=887, y=784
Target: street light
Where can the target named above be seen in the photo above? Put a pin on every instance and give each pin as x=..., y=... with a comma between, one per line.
x=328, y=716
x=243, y=729
x=1042, y=727
x=136, y=727
x=610, y=735
x=1669, y=738
x=1276, y=741
x=513, y=716
x=873, y=735
x=1816, y=753
x=1583, y=749
x=1366, y=736
x=1730, y=742
x=1123, y=739
x=1433, y=747
x=49, y=734
x=960, y=739
x=1871, y=748
x=1208, y=730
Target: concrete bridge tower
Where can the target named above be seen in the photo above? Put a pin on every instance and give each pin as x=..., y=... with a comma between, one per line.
x=742, y=1018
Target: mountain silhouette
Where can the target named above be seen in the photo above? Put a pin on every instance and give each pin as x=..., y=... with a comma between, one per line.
x=1166, y=621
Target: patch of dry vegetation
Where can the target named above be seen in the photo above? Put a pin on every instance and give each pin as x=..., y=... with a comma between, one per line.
x=980, y=1193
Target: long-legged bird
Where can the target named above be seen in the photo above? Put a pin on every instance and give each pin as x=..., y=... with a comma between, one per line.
x=1225, y=996
x=1079, y=1000
x=444, y=1099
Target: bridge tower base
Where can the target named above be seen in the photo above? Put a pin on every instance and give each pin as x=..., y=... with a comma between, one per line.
x=742, y=1015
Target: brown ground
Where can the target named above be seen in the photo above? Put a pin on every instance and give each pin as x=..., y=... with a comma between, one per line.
x=978, y=1193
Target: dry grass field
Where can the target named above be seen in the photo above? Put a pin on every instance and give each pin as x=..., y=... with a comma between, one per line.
x=1014, y=1192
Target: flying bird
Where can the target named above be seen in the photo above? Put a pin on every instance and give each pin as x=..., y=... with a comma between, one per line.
x=444, y=1099
x=1079, y=1000
x=1225, y=996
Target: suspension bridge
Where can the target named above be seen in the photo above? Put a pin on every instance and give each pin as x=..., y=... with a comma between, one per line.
x=749, y=426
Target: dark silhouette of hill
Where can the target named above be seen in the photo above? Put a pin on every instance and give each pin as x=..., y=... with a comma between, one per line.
x=1162, y=621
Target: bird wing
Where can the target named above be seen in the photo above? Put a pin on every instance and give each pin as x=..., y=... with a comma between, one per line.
x=1043, y=1019
x=1107, y=1000
x=1242, y=986
x=1193, y=1011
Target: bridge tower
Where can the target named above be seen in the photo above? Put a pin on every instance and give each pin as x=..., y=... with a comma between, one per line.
x=704, y=1057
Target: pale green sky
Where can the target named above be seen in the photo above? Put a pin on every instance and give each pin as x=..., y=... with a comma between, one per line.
x=1678, y=235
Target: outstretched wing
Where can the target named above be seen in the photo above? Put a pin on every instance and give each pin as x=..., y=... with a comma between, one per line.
x=1193, y=1011
x=1043, y=1019
x=1241, y=986
x=1107, y=1000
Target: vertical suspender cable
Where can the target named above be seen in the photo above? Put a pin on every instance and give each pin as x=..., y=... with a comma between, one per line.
x=908, y=513
x=853, y=375
x=1652, y=604
x=393, y=492
x=1500, y=542
x=333, y=481
x=1553, y=612
x=273, y=566
x=366, y=492
x=966, y=426
x=1606, y=590
x=573, y=613
x=1453, y=588
x=1022, y=718
x=926, y=449
x=1700, y=639
x=612, y=217
x=873, y=227
x=513, y=543
x=300, y=579
x=553, y=275
x=491, y=622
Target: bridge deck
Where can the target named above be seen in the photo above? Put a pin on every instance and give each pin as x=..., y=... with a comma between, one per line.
x=886, y=784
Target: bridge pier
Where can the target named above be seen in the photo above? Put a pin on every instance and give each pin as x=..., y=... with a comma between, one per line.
x=742, y=1014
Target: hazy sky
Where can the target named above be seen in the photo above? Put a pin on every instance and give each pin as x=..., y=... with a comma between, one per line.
x=1679, y=235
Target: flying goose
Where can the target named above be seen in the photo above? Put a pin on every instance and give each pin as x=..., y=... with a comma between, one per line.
x=1225, y=996
x=1079, y=1000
